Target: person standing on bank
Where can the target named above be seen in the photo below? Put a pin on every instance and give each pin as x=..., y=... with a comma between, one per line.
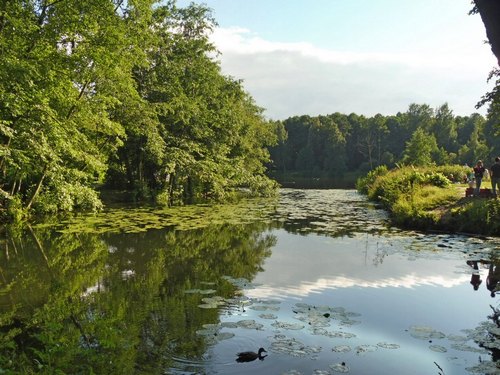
x=478, y=175
x=495, y=176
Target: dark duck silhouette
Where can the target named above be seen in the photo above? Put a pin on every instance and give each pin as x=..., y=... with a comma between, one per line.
x=251, y=356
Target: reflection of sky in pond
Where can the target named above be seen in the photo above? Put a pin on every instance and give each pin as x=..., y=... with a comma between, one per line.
x=301, y=265
x=391, y=283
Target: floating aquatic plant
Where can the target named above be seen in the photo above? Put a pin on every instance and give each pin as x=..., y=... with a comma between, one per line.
x=213, y=332
x=484, y=367
x=264, y=308
x=333, y=334
x=249, y=324
x=457, y=338
x=438, y=348
x=341, y=349
x=386, y=345
x=362, y=349
x=286, y=325
x=292, y=347
x=468, y=348
x=268, y=316
x=425, y=333
x=321, y=316
x=200, y=291
x=340, y=367
x=240, y=283
x=212, y=302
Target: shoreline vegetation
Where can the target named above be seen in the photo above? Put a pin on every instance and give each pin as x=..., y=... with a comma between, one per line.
x=104, y=102
x=432, y=199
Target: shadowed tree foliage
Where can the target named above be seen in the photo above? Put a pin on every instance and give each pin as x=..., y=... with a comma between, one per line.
x=337, y=146
x=124, y=93
x=114, y=303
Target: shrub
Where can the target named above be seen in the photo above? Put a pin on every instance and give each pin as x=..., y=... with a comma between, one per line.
x=363, y=183
x=454, y=173
x=65, y=197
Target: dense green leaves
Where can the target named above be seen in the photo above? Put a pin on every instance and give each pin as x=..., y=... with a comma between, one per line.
x=78, y=302
x=337, y=146
x=124, y=93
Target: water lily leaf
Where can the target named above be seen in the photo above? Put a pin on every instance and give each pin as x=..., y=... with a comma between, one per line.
x=340, y=367
x=268, y=316
x=341, y=348
x=362, y=349
x=438, y=348
x=425, y=333
x=386, y=345
x=250, y=324
x=286, y=325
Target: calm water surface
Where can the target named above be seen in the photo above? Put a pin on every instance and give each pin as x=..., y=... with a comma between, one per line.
x=317, y=278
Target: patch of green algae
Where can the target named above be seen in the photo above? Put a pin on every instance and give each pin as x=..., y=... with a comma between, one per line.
x=142, y=219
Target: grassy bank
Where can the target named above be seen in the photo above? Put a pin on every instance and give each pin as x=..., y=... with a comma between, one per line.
x=432, y=198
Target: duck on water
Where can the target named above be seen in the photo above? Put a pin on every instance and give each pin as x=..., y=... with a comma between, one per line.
x=251, y=356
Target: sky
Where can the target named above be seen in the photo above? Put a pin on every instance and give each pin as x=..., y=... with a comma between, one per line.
x=316, y=57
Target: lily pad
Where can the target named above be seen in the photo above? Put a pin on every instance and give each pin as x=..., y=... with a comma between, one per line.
x=386, y=345
x=425, y=333
x=286, y=325
x=340, y=367
x=362, y=349
x=250, y=324
x=264, y=308
x=268, y=316
x=292, y=347
x=341, y=349
x=438, y=348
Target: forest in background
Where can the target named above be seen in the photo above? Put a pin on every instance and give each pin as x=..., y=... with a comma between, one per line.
x=128, y=96
x=124, y=95
x=338, y=147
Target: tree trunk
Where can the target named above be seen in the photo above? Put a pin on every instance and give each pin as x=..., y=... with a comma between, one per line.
x=38, y=188
x=490, y=14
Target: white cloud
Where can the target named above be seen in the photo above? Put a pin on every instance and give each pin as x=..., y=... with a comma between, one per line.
x=301, y=290
x=299, y=78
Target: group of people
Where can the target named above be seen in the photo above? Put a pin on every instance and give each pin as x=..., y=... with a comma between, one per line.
x=494, y=171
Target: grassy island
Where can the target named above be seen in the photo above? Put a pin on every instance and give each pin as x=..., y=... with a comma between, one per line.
x=432, y=198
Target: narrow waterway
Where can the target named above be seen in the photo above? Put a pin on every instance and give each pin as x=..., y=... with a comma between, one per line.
x=317, y=278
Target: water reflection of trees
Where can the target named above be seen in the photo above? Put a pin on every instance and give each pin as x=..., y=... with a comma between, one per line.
x=116, y=303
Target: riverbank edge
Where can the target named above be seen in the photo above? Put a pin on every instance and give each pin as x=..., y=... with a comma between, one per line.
x=416, y=198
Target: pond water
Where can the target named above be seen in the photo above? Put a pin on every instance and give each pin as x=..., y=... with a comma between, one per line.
x=316, y=277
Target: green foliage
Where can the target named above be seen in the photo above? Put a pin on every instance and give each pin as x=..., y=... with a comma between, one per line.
x=336, y=144
x=123, y=93
x=69, y=310
x=454, y=173
x=67, y=197
x=12, y=209
x=388, y=186
x=419, y=148
x=363, y=183
x=477, y=216
x=429, y=197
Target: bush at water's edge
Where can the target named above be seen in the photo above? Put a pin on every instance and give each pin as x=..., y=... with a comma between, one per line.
x=428, y=198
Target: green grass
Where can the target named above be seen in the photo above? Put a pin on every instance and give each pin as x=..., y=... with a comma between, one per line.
x=432, y=198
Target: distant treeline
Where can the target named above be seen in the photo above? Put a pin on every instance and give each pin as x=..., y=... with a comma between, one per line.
x=124, y=95
x=334, y=146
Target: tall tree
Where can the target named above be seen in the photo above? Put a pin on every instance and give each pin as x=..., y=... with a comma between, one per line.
x=420, y=148
x=445, y=128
